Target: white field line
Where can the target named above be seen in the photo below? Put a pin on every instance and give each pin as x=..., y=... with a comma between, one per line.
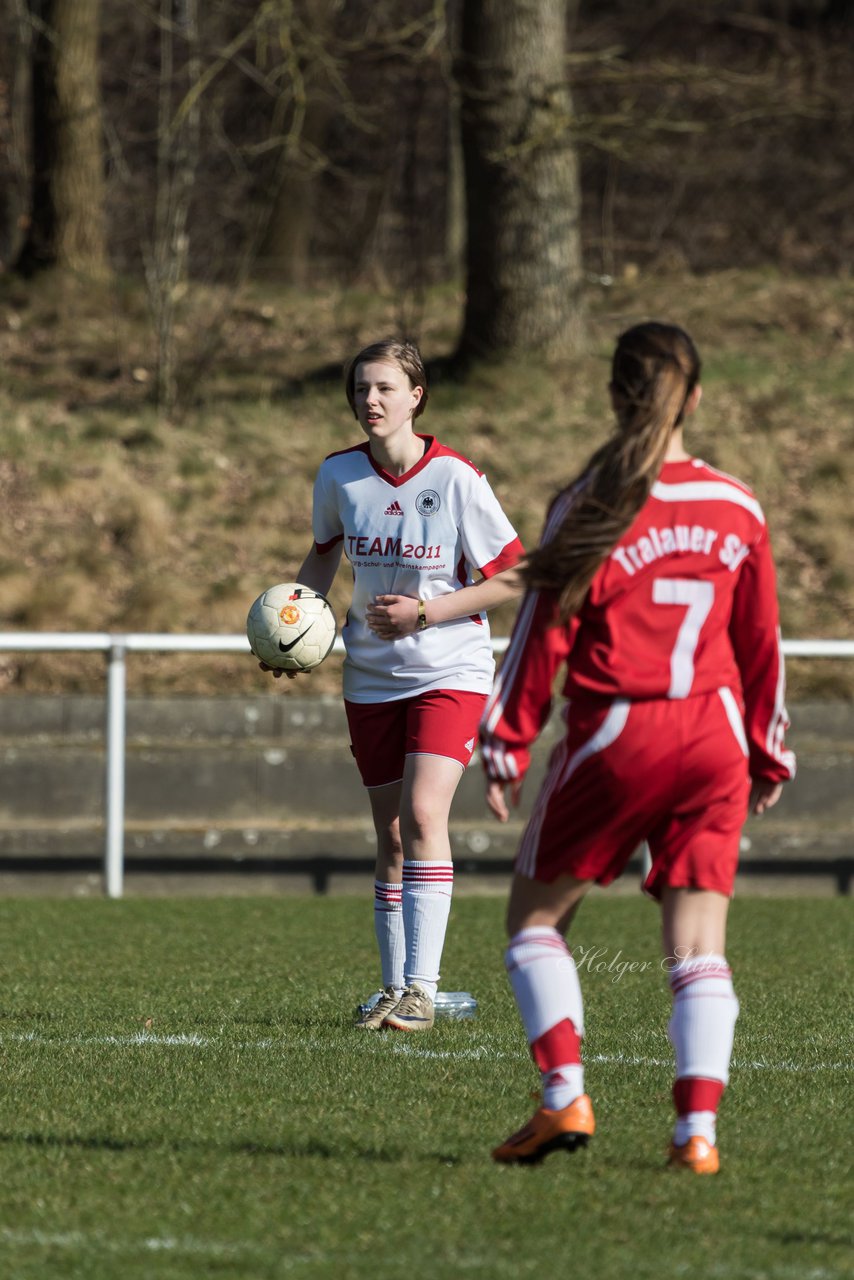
x=186, y=1245
x=244, y=1250
x=624, y=1059
x=246, y=1253
x=144, y=1039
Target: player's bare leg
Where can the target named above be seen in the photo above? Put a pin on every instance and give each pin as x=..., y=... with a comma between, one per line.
x=551, y=905
x=693, y=921
x=429, y=785
x=385, y=811
x=702, y=1025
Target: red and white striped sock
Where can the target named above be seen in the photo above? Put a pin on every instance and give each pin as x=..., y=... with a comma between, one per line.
x=701, y=1031
x=696, y=1102
x=388, y=927
x=427, y=889
x=545, y=983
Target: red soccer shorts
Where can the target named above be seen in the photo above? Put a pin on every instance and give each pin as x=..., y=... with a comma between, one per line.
x=443, y=722
x=671, y=772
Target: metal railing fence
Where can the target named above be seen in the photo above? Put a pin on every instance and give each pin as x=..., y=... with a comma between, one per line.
x=118, y=646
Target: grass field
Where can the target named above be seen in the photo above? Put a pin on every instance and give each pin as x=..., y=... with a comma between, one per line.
x=183, y=1095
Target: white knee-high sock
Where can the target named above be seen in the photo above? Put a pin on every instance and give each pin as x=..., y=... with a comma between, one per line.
x=701, y=1029
x=388, y=927
x=427, y=889
x=545, y=983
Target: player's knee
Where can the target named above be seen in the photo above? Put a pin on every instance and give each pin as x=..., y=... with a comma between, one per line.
x=421, y=822
x=416, y=827
x=389, y=842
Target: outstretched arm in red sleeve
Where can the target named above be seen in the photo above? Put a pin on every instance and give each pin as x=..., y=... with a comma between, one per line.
x=521, y=700
x=755, y=636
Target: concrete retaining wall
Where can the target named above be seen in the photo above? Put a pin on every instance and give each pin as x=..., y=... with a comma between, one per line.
x=266, y=789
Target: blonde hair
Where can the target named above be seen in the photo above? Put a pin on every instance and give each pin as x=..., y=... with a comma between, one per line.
x=399, y=351
x=655, y=368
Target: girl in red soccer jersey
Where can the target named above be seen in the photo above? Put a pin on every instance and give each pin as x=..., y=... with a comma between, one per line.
x=417, y=522
x=654, y=583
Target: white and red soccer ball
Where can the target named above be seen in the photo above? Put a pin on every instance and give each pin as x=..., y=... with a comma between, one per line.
x=291, y=627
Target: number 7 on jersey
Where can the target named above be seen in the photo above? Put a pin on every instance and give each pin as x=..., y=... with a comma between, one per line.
x=697, y=597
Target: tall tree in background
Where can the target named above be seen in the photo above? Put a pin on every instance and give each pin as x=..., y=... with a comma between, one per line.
x=305, y=105
x=523, y=253
x=66, y=218
x=178, y=148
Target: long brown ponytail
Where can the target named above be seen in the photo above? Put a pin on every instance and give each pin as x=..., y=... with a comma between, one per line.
x=654, y=370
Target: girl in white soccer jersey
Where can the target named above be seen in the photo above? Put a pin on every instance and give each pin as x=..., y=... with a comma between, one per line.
x=417, y=522
x=654, y=583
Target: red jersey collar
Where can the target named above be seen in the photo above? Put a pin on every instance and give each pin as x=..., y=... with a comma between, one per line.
x=431, y=447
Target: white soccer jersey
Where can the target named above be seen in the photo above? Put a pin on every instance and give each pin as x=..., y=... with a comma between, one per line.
x=422, y=534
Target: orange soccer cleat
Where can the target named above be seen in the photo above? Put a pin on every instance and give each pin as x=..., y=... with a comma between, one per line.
x=696, y=1154
x=546, y=1131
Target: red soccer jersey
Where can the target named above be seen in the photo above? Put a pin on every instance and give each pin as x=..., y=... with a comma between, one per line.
x=685, y=604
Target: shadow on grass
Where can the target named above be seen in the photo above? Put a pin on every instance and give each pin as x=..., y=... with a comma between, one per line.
x=443, y=370
x=813, y=1237
x=88, y=384
x=304, y=1149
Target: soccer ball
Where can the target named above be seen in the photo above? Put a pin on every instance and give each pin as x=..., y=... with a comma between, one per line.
x=291, y=627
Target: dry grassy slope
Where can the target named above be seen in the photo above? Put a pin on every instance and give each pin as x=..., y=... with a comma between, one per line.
x=113, y=520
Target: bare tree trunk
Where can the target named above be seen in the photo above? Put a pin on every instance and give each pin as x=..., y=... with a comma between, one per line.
x=67, y=224
x=523, y=256
x=39, y=247
x=455, y=237
x=284, y=252
x=177, y=162
x=306, y=110
x=455, y=215
x=78, y=178
x=14, y=134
